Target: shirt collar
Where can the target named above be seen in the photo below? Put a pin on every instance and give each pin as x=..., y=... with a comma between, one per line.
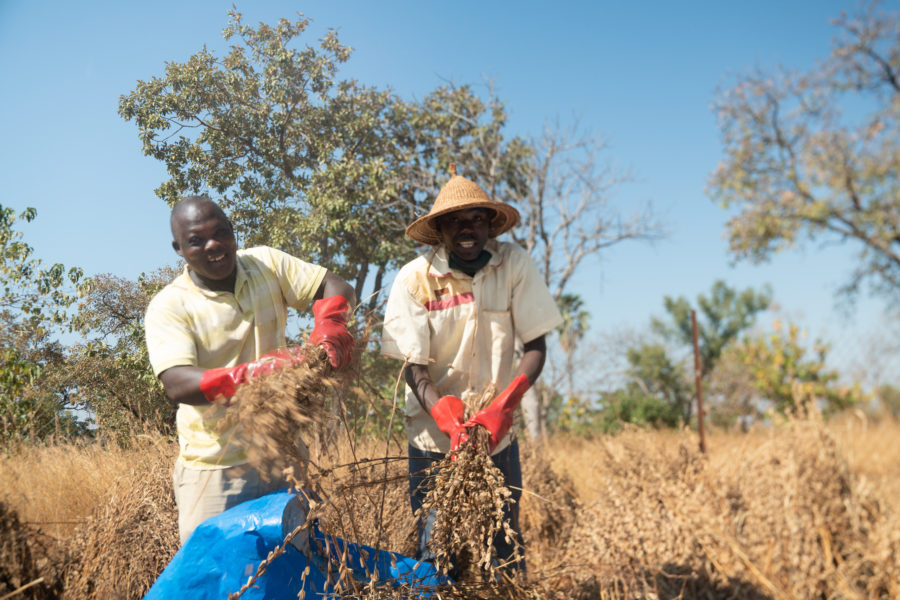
x=440, y=264
x=185, y=281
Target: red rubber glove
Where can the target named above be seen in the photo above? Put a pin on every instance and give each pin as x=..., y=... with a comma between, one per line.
x=224, y=381
x=497, y=418
x=330, y=330
x=448, y=413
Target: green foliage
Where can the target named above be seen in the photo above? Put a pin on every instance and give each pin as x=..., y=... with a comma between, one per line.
x=323, y=168
x=795, y=168
x=109, y=373
x=720, y=319
x=34, y=300
x=785, y=374
x=633, y=405
x=371, y=412
x=654, y=374
x=657, y=393
x=35, y=292
x=30, y=410
x=889, y=397
x=569, y=414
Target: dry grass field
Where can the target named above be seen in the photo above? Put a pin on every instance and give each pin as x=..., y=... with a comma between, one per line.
x=799, y=510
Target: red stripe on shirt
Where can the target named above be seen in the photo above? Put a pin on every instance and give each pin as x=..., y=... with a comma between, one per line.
x=445, y=303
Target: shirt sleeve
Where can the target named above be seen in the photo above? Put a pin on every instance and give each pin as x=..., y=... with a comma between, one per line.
x=405, y=335
x=170, y=342
x=533, y=309
x=299, y=279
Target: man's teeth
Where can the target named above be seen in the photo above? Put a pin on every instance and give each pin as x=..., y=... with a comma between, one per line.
x=467, y=244
x=216, y=258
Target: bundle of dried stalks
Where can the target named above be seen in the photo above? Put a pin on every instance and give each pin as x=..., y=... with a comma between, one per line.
x=550, y=503
x=30, y=563
x=127, y=542
x=467, y=495
x=278, y=414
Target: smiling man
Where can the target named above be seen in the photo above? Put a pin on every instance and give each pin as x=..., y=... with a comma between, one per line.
x=457, y=316
x=218, y=324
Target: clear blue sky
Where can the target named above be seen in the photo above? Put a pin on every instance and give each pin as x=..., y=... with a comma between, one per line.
x=642, y=73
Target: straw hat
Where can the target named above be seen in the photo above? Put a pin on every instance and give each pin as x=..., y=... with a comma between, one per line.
x=459, y=194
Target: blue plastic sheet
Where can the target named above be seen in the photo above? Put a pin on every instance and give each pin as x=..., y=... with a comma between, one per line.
x=225, y=551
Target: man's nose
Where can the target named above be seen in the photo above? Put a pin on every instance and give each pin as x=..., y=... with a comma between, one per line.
x=211, y=244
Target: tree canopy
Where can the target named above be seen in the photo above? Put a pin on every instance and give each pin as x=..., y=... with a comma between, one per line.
x=813, y=155
x=34, y=300
x=333, y=170
x=722, y=316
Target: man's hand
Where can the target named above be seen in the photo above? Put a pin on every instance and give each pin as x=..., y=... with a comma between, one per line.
x=330, y=330
x=224, y=381
x=448, y=413
x=498, y=416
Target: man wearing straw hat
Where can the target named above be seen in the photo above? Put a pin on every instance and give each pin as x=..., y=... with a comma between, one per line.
x=456, y=315
x=219, y=324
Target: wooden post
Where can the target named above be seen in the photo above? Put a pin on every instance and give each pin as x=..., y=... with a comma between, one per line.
x=698, y=380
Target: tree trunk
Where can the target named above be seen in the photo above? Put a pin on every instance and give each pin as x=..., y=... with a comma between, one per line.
x=532, y=413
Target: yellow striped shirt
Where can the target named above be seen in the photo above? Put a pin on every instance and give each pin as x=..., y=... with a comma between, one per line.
x=190, y=326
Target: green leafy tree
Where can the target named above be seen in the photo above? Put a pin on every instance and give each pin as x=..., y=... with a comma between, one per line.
x=108, y=374
x=813, y=155
x=653, y=372
x=656, y=393
x=788, y=374
x=324, y=168
x=33, y=302
x=721, y=317
x=632, y=405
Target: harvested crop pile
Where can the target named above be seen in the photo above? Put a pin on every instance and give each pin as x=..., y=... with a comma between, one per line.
x=124, y=546
x=277, y=414
x=783, y=520
x=30, y=564
x=550, y=505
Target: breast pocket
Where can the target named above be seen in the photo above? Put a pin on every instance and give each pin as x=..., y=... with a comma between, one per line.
x=497, y=341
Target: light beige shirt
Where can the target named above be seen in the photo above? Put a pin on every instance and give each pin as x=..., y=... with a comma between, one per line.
x=464, y=329
x=190, y=326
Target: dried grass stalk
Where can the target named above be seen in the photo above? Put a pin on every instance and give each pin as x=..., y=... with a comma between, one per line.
x=30, y=563
x=127, y=542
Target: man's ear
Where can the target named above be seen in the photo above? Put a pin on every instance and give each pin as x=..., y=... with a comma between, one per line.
x=177, y=248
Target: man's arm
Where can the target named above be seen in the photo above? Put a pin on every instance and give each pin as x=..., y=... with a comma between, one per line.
x=182, y=385
x=332, y=285
x=497, y=418
x=418, y=379
x=532, y=362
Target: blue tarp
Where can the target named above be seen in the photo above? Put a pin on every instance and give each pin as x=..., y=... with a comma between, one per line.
x=225, y=550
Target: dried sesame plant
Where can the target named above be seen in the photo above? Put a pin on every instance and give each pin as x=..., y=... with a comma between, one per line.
x=277, y=414
x=467, y=496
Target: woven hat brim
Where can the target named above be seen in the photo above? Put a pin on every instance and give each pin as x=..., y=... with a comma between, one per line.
x=424, y=229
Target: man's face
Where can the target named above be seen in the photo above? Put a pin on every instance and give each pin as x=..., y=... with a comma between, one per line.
x=465, y=232
x=204, y=239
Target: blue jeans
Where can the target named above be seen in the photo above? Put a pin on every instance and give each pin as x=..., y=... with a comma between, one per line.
x=507, y=461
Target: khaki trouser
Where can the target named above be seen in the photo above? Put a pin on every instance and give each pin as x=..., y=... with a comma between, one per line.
x=201, y=494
